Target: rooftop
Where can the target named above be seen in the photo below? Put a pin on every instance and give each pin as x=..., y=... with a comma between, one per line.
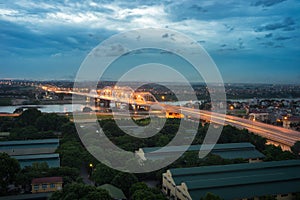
x=52, y=160
x=57, y=179
x=25, y=147
x=28, y=142
x=241, y=180
x=226, y=151
x=36, y=156
x=38, y=196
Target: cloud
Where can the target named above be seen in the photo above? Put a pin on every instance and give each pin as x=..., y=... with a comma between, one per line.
x=267, y=44
x=57, y=29
x=282, y=38
x=286, y=24
x=267, y=3
x=165, y=35
x=268, y=35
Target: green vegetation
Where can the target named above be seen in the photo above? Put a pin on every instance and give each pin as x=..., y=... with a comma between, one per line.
x=296, y=148
x=140, y=191
x=210, y=196
x=5, y=101
x=81, y=191
x=9, y=167
x=32, y=124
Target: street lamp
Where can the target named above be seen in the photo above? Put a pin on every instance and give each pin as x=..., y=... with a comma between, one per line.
x=91, y=166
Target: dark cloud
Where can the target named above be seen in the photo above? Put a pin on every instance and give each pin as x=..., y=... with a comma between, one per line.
x=267, y=44
x=223, y=45
x=227, y=49
x=278, y=46
x=283, y=38
x=229, y=28
x=21, y=40
x=287, y=24
x=198, y=8
x=267, y=3
x=166, y=35
x=268, y=35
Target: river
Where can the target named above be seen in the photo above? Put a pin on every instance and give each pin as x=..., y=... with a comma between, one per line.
x=63, y=108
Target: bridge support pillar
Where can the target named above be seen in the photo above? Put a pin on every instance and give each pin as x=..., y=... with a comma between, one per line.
x=118, y=105
x=97, y=102
x=104, y=103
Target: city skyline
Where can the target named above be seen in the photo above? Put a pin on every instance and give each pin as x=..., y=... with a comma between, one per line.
x=251, y=42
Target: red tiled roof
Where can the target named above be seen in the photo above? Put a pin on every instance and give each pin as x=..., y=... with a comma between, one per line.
x=46, y=180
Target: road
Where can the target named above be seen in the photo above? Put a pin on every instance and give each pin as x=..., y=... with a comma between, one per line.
x=275, y=134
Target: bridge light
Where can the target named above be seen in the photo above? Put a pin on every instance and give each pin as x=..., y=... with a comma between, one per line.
x=163, y=97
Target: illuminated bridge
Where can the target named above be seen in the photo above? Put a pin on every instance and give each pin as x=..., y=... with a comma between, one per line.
x=276, y=135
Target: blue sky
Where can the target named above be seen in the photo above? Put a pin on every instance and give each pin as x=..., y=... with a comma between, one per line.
x=250, y=41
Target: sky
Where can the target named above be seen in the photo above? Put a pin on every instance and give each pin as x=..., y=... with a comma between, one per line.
x=255, y=41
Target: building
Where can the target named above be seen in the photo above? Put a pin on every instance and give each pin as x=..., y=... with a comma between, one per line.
x=280, y=179
x=52, y=159
x=46, y=184
x=31, y=151
x=28, y=147
x=244, y=151
x=259, y=116
x=36, y=196
x=291, y=122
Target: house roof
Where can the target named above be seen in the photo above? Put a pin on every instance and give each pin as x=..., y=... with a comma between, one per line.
x=226, y=151
x=56, y=179
x=240, y=180
x=36, y=156
x=52, y=160
x=28, y=142
x=38, y=196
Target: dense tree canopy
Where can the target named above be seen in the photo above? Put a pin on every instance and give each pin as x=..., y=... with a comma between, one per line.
x=103, y=174
x=9, y=167
x=296, y=148
x=124, y=181
x=210, y=196
x=81, y=191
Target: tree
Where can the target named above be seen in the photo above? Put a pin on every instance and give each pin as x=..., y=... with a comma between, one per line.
x=140, y=191
x=9, y=167
x=296, y=148
x=210, y=196
x=143, y=195
x=111, y=129
x=81, y=191
x=138, y=186
x=50, y=121
x=71, y=153
x=124, y=181
x=29, y=116
x=274, y=153
x=103, y=174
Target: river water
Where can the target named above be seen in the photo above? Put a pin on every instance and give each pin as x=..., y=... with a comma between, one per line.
x=63, y=108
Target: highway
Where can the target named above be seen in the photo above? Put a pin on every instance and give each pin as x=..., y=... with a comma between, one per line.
x=278, y=135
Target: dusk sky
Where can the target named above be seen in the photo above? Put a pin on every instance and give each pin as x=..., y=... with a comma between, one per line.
x=255, y=41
